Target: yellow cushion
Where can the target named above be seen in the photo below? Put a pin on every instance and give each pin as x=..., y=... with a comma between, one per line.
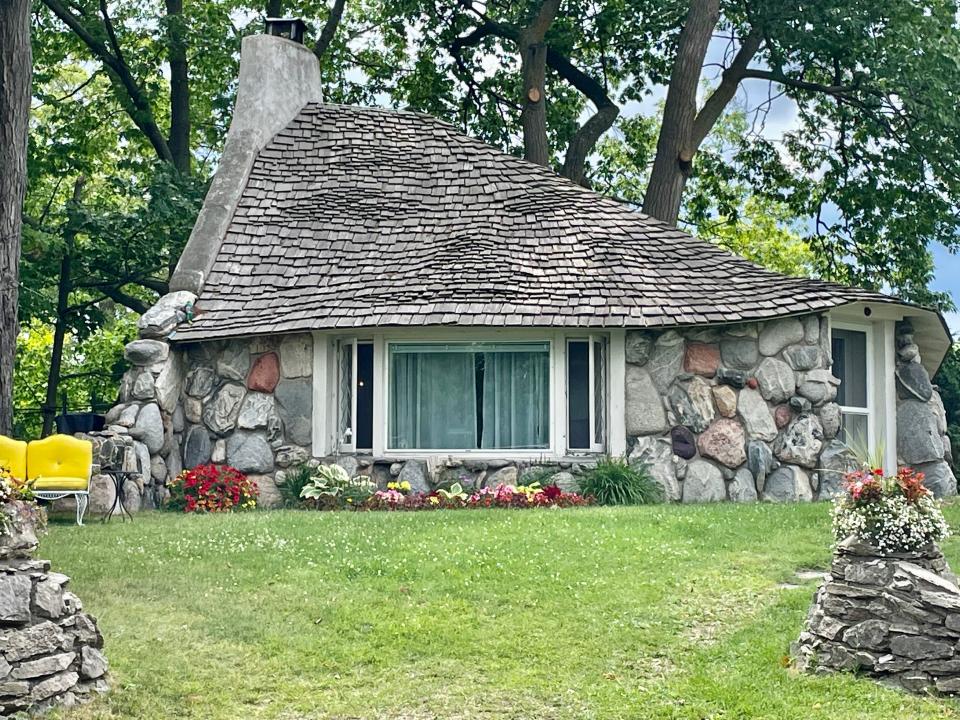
x=60, y=457
x=59, y=483
x=13, y=456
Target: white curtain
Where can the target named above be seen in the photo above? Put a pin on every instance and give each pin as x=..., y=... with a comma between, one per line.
x=516, y=405
x=433, y=401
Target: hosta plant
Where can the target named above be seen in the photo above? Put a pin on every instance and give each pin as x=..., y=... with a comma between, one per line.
x=212, y=488
x=893, y=514
x=331, y=487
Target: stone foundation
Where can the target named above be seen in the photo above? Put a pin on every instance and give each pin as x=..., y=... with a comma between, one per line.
x=50, y=650
x=893, y=617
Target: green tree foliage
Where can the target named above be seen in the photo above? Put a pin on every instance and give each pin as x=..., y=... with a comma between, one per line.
x=92, y=369
x=948, y=380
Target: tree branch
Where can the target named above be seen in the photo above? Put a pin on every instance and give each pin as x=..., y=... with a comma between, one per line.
x=138, y=105
x=730, y=80
x=329, y=28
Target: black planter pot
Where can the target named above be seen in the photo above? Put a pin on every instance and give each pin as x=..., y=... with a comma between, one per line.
x=84, y=422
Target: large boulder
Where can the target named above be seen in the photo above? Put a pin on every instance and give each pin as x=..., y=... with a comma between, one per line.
x=295, y=409
x=249, y=452
x=220, y=414
x=414, y=472
x=818, y=386
x=146, y=352
x=638, y=347
x=693, y=404
x=724, y=441
x=666, y=359
x=200, y=381
x=265, y=373
x=197, y=447
x=777, y=334
x=644, y=408
x=234, y=361
x=913, y=382
x=743, y=487
x=703, y=483
x=776, y=379
x=939, y=478
x=918, y=438
x=149, y=427
x=756, y=416
x=256, y=410
x=657, y=455
x=802, y=357
x=740, y=353
x=169, y=383
x=787, y=483
x=801, y=442
x=296, y=356
x=760, y=462
x=836, y=461
x=168, y=312
x=830, y=419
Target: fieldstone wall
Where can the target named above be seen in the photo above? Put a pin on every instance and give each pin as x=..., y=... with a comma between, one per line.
x=922, y=440
x=50, y=650
x=248, y=403
x=893, y=617
x=739, y=412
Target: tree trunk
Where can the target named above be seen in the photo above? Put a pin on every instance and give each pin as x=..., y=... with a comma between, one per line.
x=179, y=140
x=15, y=75
x=64, y=288
x=274, y=8
x=675, y=147
x=533, y=71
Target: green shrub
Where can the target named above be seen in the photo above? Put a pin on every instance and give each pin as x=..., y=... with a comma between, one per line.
x=331, y=488
x=294, y=480
x=614, y=481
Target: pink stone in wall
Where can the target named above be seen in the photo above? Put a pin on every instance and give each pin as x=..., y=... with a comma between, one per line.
x=725, y=442
x=702, y=359
x=782, y=416
x=265, y=373
x=752, y=383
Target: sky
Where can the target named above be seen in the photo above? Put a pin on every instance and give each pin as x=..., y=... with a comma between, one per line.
x=947, y=277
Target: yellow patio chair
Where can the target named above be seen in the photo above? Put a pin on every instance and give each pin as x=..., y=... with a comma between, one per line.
x=58, y=466
x=13, y=456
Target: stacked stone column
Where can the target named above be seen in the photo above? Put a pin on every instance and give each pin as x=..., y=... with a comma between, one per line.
x=922, y=440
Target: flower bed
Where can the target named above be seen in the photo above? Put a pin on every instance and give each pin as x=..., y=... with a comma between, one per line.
x=893, y=514
x=333, y=489
x=212, y=488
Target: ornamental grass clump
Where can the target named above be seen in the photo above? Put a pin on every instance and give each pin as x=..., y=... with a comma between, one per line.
x=212, y=488
x=614, y=481
x=893, y=514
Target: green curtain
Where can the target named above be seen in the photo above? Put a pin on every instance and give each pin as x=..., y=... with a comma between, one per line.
x=516, y=403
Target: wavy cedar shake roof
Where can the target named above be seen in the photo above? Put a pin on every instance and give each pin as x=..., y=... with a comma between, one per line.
x=363, y=217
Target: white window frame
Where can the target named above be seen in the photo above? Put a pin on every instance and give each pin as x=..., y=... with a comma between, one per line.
x=870, y=410
x=592, y=340
x=326, y=379
x=340, y=444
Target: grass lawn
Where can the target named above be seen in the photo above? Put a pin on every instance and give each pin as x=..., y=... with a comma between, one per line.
x=650, y=612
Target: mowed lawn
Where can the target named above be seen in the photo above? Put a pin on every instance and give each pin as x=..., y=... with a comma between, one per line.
x=649, y=612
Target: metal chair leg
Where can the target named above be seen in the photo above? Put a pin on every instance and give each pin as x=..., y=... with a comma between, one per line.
x=82, y=501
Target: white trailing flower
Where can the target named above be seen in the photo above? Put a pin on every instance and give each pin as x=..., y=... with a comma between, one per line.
x=890, y=523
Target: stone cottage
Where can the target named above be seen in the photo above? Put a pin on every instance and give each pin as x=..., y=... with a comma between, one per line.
x=375, y=288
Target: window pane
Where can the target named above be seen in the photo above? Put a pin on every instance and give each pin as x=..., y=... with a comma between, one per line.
x=599, y=392
x=850, y=365
x=364, y=396
x=345, y=394
x=578, y=395
x=463, y=396
x=853, y=430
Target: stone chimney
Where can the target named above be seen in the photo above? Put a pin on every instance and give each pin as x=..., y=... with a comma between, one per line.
x=278, y=76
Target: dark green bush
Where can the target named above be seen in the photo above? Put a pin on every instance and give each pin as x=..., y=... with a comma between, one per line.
x=614, y=481
x=294, y=480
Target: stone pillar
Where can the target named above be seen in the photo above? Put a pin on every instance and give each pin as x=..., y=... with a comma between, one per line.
x=149, y=409
x=50, y=650
x=922, y=440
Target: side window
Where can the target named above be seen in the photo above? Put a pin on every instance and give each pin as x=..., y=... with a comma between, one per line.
x=355, y=395
x=586, y=394
x=850, y=365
